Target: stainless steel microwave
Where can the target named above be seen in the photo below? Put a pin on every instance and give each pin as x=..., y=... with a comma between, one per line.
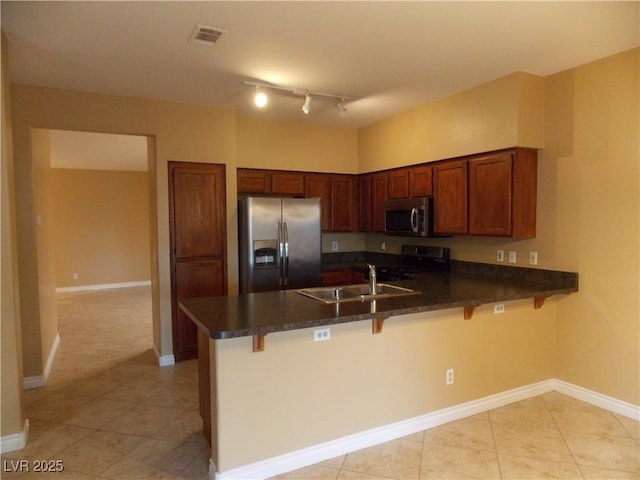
x=410, y=217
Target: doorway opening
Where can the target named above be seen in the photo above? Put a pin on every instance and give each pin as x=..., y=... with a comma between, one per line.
x=95, y=204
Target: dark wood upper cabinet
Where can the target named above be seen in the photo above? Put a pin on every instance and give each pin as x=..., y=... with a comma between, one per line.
x=287, y=183
x=491, y=194
x=364, y=202
x=344, y=203
x=450, y=198
x=420, y=181
x=197, y=223
x=502, y=194
x=490, y=186
x=379, y=195
x=276, y=182
x=399, y=183
x=319, y=185
x=254, y=181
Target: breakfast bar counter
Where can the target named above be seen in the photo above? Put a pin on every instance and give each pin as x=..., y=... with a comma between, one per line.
x=466, y=286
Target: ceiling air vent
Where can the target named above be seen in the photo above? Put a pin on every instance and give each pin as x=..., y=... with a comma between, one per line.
x=205, y=35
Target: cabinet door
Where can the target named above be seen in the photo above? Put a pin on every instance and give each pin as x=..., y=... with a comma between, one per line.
x=490, y=190
x=193, y=278
x=379, y=194
x=198, y=201
x=287, y=183
x=253, y=181
x=197, y=220
x=364, y=202
x=450, y=198
x=344, y=199
x=399, y=183
x=320, y=186
x=420, y=182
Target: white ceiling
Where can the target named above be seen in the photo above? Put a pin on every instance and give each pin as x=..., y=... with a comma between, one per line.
x=388, y=56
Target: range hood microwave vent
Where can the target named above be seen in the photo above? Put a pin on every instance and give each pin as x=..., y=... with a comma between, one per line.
x=205, y=35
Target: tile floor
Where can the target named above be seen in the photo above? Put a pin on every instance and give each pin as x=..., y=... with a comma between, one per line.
x=109, y=412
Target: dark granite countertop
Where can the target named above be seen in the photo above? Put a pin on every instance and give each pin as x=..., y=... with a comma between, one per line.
x=467, y=285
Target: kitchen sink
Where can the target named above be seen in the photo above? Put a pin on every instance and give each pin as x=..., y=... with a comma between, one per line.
x=350, y=293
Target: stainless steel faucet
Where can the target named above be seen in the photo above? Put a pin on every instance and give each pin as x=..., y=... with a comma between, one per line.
x=373, y=283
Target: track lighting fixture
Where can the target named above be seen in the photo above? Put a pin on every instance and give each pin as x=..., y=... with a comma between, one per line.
x=342, y=110
x=306, y=107
x=260, y=98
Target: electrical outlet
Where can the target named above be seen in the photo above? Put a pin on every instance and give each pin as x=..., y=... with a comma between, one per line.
x=334, y=246
x=76, y=276
x=320, y=334
x=383, y=246
x=500, y=256
x=498, y=308
x=450, y=376
x=533, y=258
x=512, y=257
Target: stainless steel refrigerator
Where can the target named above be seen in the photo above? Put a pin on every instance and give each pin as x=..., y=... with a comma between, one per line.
x=280, y=244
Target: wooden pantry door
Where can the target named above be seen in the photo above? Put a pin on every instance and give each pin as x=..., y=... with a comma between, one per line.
x=197, y=221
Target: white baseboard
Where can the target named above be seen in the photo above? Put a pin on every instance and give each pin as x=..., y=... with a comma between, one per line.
x=41, y=380
x=16, y=441
x=341, y=446
x=599, y=400
x=164, y=360
x=103, y=286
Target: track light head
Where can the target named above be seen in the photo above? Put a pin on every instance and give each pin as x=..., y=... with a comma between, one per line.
x=342, y=110
x=306, y=107
x=260, y=98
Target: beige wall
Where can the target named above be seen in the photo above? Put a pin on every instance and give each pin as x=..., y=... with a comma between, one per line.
x=101, y=228
x=44, y=326
x=265, y=143
x=11, y=378
x=504, y=113
x=591, y=174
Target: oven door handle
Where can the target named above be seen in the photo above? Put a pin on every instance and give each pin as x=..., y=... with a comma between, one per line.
x=414, y=220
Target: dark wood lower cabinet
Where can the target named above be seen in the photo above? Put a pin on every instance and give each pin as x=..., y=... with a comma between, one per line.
x=195, y=278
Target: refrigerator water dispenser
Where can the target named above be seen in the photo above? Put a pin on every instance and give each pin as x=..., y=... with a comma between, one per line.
x=265, y=253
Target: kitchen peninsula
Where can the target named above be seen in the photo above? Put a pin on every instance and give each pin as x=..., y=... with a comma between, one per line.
x=297, y=395
x=258, y=314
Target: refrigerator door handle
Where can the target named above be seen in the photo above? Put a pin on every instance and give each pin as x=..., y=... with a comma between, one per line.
x=286, y=254
x=280, y=254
